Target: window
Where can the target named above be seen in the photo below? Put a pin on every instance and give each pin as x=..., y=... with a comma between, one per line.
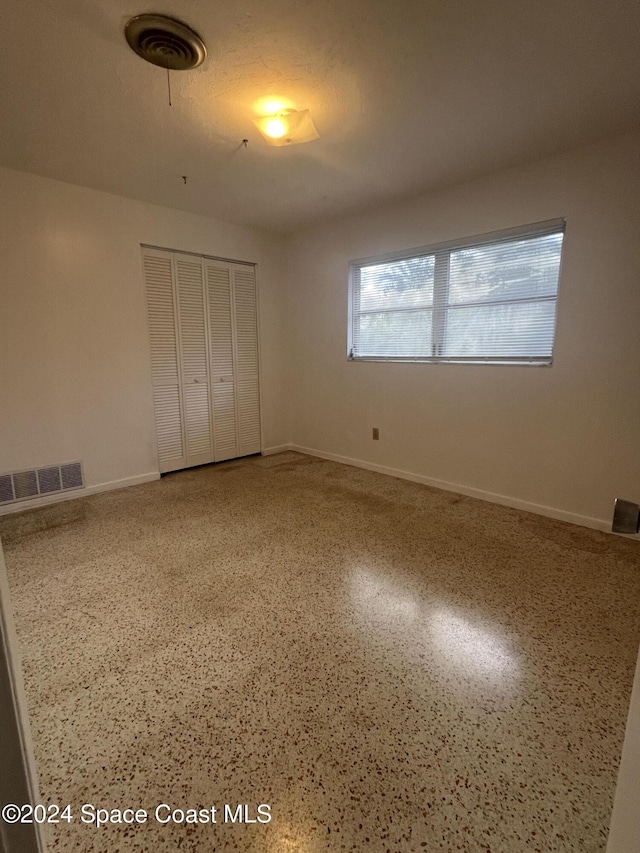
x=489, y=299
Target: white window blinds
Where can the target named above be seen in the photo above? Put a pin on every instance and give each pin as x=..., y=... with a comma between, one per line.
x=490, y=299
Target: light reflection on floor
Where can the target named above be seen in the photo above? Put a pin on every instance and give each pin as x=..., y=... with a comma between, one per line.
x=457, y=640
x=379, y=598
x=469, y=647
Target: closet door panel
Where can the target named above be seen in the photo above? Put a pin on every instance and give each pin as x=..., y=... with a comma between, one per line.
x=247, y=378
x=166, y=402
x=221, y=358
x=219, y=293
x=225, y=424
x=193, y=358
x=198, y=419
x=204, y=358
x=165, y=372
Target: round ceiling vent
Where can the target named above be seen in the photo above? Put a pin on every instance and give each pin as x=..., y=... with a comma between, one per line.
x=165, y=42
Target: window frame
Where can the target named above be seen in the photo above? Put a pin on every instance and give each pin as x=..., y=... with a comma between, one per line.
x=440, y=306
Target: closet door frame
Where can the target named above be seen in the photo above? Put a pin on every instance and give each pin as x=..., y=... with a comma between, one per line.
x=231, y=263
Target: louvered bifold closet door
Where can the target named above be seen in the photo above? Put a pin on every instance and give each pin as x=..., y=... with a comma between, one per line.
x=246, y=352
x=192, y=330
x=218, y=279
x=165, y=368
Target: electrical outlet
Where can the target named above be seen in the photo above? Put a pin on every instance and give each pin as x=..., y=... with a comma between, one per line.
x=376, y=434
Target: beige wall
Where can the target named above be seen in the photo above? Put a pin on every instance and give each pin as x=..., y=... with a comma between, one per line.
x=74, y=372
x=563, y=438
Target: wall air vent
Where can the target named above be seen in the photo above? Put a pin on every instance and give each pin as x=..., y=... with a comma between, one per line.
x=165, y=42
x=37, y=482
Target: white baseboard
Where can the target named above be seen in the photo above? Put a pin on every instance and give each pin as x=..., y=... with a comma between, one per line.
x=43, y=500
x=280, y=448
x=492, y=497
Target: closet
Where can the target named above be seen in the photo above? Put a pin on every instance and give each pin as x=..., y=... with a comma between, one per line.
x=203, y=332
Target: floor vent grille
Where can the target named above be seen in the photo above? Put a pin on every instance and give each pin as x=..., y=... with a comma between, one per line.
x=22, y=485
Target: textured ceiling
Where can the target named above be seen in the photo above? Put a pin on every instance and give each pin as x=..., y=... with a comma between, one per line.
x=407, y=96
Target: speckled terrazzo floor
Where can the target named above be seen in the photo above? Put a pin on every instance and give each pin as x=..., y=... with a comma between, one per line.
x=388, y=666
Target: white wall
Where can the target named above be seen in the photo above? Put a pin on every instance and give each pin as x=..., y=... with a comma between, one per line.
x=75, y=373
x=564, y=438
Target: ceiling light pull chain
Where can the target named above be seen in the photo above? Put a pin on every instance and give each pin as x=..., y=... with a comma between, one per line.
x=169, y=86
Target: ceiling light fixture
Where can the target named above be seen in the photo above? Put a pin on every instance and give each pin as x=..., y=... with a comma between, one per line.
x=287, y=127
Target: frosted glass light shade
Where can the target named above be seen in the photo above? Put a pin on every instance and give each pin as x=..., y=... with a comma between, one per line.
x=288, y=127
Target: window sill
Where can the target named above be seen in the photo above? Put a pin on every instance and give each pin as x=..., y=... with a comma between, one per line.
x=501, y=362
